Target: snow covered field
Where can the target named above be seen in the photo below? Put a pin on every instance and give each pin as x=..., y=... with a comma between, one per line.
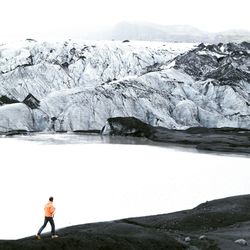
x=98, y=182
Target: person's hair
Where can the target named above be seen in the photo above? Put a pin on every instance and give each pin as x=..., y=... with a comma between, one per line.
x=51, y=198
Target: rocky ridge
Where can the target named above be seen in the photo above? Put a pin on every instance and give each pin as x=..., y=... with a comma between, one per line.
x=167, y=33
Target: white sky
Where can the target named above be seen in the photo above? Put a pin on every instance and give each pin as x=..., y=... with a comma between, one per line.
x=52, y=18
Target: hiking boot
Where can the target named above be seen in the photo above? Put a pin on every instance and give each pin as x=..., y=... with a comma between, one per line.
x=38, y=237
x=54, y=236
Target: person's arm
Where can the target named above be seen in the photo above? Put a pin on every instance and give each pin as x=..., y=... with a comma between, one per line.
x=52, y=210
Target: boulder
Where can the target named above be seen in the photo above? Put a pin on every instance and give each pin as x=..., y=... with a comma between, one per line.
x=202, y=237
x=126, y=126
x=31, y=101
x=241, y=242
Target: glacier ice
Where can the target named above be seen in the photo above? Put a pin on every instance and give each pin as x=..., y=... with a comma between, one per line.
x=79, y=85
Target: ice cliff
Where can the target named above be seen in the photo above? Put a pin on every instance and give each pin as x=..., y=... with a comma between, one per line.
x=78, y=86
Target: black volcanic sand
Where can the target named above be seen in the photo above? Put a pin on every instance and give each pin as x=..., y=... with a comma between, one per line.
x=226, y=140
x=220, y=221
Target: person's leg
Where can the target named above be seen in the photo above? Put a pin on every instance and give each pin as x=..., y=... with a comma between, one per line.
x=43, y=226
x=52, y=223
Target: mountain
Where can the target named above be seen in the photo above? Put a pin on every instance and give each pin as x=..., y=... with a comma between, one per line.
x=143, y=31
x=153, y=32
x=78, y=86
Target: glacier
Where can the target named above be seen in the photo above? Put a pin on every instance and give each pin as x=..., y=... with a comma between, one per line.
x=79, y=85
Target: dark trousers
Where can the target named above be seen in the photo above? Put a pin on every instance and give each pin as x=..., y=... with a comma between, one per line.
x=51, y=221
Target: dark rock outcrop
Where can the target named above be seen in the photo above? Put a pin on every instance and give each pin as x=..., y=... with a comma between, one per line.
x=228, y=74
x=209, y=216
x=222, y=62
x=228, y=140
x=31, y=101
x=196, y=65
x=128, y=126
x=6, y=100
x=17, y=132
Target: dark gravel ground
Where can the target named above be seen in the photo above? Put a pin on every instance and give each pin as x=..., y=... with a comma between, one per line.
x=227, y=140
x=220, y=222
x=221, y=140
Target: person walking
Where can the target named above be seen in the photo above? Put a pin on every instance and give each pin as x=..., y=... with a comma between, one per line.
x=49, y=214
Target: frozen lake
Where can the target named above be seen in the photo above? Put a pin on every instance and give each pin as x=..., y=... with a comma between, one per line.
x=94, y=181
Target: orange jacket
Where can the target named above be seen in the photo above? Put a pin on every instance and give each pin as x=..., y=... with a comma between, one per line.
x=49, y=209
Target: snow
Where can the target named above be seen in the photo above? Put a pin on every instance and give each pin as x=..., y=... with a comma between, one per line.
x=186, y=113
x=241, y=242
x=99, y=182
x=217, y=55
x=10, y=115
